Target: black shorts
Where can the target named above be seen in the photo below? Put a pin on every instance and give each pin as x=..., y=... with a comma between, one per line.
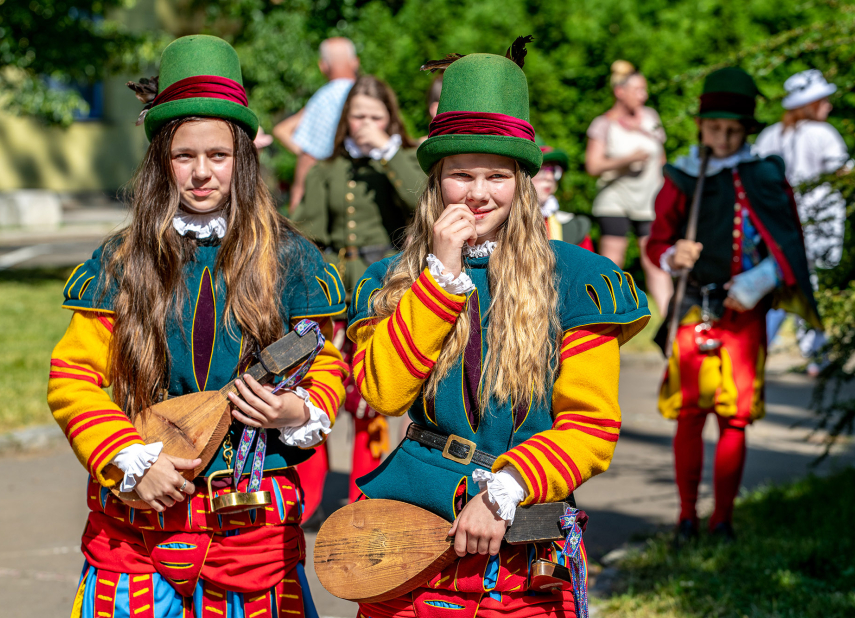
x=619, y=226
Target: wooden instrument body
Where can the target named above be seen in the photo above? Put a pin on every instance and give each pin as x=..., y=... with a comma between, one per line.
x=376, y=550
x=194, y=425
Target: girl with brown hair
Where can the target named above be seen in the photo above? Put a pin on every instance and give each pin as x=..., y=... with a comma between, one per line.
x=356, y=206
x=182, y=301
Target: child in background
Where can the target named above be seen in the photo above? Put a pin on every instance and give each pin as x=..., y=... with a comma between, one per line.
x=749, y=254
x=560, y=225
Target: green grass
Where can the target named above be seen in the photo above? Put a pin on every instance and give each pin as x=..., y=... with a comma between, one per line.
x=794, y=557
x=31, y=323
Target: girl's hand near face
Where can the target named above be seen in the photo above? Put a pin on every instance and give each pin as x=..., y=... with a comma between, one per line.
x=161, y=485
x=369, y=136
x=478, y=529
x=454, y=228
x=257, y=406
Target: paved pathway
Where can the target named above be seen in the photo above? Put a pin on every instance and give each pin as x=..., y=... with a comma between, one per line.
x=43, y=510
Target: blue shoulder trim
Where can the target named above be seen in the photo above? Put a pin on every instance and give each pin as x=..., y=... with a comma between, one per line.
x=313, y=288
x=83, y=288
x=371, y=282
x=593, y=290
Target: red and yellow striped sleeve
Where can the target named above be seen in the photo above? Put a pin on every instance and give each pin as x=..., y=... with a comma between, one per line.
x=395, y=356
x=96, y=428
x=586, y=414
x=325, y=380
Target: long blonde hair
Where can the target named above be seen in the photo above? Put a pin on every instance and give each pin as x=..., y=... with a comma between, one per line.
x=521, y=355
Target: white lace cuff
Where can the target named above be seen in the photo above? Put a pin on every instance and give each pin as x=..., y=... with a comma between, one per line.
x=311, y=432
x=447, y=282
x=750, y=286
x=663, y=261
x=134, y=460
x=388, y=151
x=506, y=489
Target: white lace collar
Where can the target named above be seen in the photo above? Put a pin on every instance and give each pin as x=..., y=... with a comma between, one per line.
x=691, y=164
x=478, y=251
x=202, y=225
x=386, y=152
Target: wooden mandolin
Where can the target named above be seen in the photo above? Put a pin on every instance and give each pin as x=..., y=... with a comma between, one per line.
x=376, y=550
x=193, y=426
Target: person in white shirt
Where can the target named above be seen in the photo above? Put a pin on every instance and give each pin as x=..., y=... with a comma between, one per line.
x=810, y=147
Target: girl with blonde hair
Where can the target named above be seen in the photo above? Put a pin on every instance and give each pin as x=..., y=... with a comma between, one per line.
x=625, y=151
x=501, y=345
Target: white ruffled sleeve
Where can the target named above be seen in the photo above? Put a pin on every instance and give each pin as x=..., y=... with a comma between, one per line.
x=134, y=460
x=506, y=489
x=313, y=431
x=460, y=285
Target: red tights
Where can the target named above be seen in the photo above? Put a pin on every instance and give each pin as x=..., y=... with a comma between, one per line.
x=689, y=459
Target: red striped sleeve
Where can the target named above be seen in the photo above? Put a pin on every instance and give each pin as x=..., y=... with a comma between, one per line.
x=79, y=428
x=106, y=323
x=581, y=418
x=597, y=433
x=85, y=416
x=525, y=469
x=600, y=329
x=402, y=353
x=584, y=347
x=577, y=476
x=359, y=356
x=428, y=302
x=543, y=478
x=556, y=462
x=55, y=362
x=329, y=392
x=120, y=439
x=74, y=376
x=424, y=360
x=431, y=287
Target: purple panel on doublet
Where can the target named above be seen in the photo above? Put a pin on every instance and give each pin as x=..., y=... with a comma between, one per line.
x=204, y=330
x=472, y=363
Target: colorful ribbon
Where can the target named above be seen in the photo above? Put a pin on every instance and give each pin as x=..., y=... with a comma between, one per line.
x=573, y=524
x=480, y=123
x=248, y=435
x=203, y=87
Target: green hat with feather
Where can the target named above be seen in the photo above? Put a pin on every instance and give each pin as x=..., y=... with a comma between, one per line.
x=199, y=76
x=483, y=108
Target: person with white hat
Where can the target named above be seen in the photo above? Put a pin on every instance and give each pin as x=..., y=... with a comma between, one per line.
x=810, y=147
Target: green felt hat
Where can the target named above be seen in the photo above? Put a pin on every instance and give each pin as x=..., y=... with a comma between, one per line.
x=730, y=93
x=555, y=156
x=483, y=108
x=200, y=76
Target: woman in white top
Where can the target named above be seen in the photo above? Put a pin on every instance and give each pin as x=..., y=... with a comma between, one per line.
x=810, y=147
x=625, y=150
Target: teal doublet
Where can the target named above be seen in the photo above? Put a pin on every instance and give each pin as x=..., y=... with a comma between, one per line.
x=591, y=289
x=203, y=353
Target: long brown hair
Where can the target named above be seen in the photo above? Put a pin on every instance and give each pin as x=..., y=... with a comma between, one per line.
x=375, y=88
x=146, y=263
x=521, y=355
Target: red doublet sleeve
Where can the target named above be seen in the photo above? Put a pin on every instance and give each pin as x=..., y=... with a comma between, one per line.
x=581, y=442
x=670, y=213
x=96, y=428
x=395, y=356
x=325, y=380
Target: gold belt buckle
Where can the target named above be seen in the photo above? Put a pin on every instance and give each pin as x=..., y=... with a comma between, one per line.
x=446, y=452
x=237, y=501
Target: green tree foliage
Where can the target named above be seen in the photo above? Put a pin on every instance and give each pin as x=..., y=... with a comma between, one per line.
x=48, y=45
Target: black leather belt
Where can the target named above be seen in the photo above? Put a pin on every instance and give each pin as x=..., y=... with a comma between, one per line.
x=453, y=447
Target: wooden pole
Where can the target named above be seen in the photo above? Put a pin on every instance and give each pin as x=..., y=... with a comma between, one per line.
x=691, y=234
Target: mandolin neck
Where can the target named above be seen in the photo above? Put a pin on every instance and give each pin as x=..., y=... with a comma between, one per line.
x=257, y=371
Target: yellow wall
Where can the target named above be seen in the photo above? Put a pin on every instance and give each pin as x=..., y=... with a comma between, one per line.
x=98, y=155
